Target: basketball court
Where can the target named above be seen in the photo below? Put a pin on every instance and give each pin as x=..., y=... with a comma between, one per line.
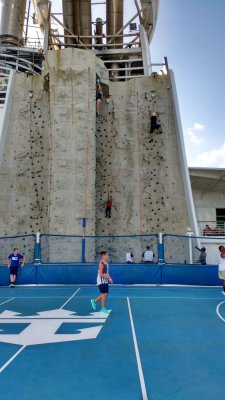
x=156, y=343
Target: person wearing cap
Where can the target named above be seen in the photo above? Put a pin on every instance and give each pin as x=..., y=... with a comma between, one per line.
x=202, y=256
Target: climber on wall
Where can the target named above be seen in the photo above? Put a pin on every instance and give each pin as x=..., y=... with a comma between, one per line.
x=108, y=207
x=99, y=95
x=154, y=125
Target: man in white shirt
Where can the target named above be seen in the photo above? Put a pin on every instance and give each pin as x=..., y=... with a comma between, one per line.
x=222, y=266
x=130, y=256
x=148, y=256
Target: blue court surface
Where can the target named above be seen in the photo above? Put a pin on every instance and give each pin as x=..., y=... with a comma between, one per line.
x=157, y=343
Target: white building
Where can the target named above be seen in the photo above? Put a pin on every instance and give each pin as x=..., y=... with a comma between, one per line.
x=208, y=188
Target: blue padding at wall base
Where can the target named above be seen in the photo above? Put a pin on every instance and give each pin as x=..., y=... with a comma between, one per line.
x=86, y=274
x=205, y=275
x=66, y=274
x=27, y=275
x=121, y=274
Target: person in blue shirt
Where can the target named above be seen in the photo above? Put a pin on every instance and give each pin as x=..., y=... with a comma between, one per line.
x=15, y=260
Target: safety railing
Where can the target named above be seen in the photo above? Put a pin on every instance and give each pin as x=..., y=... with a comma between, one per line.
x=212, y=228
x=118, y=246
x=25, y=244
x=167, y=248
x=4, y=80
x=60, y=248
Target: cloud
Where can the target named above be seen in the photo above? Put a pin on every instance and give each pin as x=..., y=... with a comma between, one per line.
x=212, y=158
x=193, y=133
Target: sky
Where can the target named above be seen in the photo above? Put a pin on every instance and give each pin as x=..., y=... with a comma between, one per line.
x=192, y=35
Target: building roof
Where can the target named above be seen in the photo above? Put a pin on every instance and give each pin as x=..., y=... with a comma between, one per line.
x=207, y=179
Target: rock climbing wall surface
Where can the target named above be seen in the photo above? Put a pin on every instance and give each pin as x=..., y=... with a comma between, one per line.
x=142, y=175
x=61, y=162
x=24, y=171
x=72, y=79
x=48, y=174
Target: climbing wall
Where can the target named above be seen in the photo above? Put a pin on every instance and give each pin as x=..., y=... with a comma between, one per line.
x=48, y=174
x=142, y=175
x=72, y=78
x=61, y=162
x=24, y=171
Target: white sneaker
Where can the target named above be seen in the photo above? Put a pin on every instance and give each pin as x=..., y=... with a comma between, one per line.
x=223, y=293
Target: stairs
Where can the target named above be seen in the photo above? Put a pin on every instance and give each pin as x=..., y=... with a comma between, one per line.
x=123, y=64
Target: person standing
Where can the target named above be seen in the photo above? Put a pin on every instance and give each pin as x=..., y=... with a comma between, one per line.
x=103, y=280
x=15, y=260
x=148, y=256
x=130, y=256
x=222, y=266
x=202, y=255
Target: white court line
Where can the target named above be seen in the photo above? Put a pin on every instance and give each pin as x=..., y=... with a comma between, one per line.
x=157, y=297
x=74, y=294
x=11, y=359
x=116, y=297
x=11, y=298
x=138, y=358
x=218, y=311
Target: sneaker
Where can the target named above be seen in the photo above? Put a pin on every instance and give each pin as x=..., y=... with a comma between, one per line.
x=93, y=304
x=12, y=285
x=223, y=293
x=103, y=310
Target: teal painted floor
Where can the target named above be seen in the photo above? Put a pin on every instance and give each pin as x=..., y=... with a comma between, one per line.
x=179, y=333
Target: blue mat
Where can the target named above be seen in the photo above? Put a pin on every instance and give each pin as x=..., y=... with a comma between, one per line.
x=156, y=343
x=127, y=274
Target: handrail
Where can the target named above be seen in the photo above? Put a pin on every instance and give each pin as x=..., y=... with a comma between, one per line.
x=6, y=56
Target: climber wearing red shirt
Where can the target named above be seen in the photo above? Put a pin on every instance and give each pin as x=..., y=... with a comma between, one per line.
x=108, y=207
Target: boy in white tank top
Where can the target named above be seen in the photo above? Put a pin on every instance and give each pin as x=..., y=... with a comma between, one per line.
x=103, y=280
x=222, y=266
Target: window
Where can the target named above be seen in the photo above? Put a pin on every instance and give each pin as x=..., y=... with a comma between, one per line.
x=220, y=217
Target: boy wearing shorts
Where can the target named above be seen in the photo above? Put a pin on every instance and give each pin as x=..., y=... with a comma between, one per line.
x=103, y=280
x=15, y=260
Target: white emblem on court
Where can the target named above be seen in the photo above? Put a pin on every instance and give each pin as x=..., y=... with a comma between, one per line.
x=47, y=327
